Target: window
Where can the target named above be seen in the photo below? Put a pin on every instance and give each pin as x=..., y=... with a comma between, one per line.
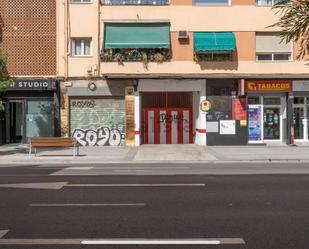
x=271, y=47
x=214, y=56
x=80, y=1
x=270, y=2
x=81, y=47
x=136, y=2
x=212, y=2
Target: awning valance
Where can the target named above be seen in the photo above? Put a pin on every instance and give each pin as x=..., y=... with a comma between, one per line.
x=214, y=41
x=136, y=35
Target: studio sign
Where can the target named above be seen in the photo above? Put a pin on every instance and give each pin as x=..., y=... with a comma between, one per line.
x=37, y=84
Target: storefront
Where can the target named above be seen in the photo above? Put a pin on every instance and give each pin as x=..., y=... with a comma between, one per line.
x=97, y=113
x=227, y=115
x=268, y=110
x=31, y=110
x=168, y=111
x=301, y=110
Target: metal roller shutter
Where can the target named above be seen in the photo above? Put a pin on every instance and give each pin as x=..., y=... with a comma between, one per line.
x=98, y=122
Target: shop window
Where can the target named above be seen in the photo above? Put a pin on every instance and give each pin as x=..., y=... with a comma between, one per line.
x=272, y=101
x=81, y=47
x=299, y=100
x=40, y=119
x=271, y=47
x=254, y=100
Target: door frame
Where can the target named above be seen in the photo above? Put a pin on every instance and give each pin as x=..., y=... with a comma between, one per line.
x=305, y=121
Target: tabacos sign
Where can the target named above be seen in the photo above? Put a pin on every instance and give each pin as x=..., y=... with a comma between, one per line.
x=32, y=84
x=268, y=86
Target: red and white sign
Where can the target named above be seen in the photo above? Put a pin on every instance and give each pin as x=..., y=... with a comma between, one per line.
x=168, y=126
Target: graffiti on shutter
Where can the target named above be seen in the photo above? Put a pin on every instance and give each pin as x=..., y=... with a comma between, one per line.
x=98, y=122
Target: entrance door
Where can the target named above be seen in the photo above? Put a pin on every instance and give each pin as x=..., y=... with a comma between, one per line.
x=271, y=123
x=2, y=127
x=298, y=121
x=16, y=121
x=168, y=126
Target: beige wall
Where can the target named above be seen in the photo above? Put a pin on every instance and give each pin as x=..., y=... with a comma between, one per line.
x=245, y=44
x=208, y=69
x=182, y=51
x=198, y=18
x=242, y=19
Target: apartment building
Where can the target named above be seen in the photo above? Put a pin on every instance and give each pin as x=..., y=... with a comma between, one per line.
x=28, y=38
x=132, y=72
x=209, y=72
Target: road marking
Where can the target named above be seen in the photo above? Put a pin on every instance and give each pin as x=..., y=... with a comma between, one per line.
x=3, y=232
x=60, y=185
x=218, y=241
x=86, y=204
x=40, y=185
x=137, y=185
x=80, y=168
x=206, y=241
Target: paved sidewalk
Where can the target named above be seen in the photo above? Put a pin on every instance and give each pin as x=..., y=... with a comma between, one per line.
x=18, y=154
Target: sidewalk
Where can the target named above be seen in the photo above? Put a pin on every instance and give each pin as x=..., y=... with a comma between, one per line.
x=18, y=154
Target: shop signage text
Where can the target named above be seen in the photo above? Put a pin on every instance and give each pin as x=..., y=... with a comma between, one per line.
x=35, y=84
x=269, y=86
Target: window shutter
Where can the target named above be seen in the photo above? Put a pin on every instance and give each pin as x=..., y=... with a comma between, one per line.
x=268, y=43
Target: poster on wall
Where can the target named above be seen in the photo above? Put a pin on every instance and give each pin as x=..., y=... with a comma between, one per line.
x=239, y=110
x=227, y=127
x=255, y=123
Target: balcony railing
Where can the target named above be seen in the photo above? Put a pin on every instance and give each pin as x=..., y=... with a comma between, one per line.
x=135, y=2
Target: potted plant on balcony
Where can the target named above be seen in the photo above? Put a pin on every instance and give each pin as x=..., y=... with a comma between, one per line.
x=159, y=57
x=145, y=59
x=118, y=57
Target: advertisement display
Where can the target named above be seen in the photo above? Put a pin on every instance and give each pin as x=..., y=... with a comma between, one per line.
x=255, y=134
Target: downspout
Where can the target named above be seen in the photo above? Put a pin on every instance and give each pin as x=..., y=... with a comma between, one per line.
x=99, y=39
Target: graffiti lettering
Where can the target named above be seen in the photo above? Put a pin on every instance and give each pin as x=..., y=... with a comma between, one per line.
x=103, y=136
x=83, y=104
x=170, y=118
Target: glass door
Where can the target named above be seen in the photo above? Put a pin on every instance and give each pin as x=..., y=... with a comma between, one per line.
x=271, y=123
x=298, y=121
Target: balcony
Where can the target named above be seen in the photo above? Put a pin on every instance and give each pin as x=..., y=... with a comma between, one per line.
x=135, y=2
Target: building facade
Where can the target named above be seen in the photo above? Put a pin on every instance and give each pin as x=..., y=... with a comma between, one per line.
x=28, y=38
x=206, y=72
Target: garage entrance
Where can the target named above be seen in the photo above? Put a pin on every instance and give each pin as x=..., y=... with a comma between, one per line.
x=167, y=118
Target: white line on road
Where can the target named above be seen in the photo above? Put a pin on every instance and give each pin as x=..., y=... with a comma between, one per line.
x=86, y=204
x=137, y=185
x=205, y=241
x=164, y=241
x=80, y=168
x=3, y=232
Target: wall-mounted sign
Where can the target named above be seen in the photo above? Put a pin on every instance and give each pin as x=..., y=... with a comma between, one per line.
x=268, y=85
x=32, y=84
x=227, y=127
x=300, y=85
x=255, y=123
x=205, y=106
x=239, y=109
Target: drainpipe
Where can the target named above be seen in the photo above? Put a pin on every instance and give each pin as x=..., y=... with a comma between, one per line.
x=99, y=39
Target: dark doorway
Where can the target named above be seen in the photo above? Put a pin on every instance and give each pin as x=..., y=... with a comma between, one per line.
x=2, y=127
x=15, y=122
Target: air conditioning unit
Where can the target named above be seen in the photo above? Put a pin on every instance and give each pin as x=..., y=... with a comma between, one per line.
x=182, y=35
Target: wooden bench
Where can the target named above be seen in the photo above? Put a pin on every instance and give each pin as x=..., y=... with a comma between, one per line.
x=53, y=142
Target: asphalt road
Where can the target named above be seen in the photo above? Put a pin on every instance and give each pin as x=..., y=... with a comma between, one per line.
x=264, y=211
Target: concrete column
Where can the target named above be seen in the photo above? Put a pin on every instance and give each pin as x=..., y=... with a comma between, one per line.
x=137, y=122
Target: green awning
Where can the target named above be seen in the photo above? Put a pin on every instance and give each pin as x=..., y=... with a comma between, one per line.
x=214, y=41
x=137, y=35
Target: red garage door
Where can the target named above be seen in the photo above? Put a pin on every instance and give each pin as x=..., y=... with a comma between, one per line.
x=168, y=126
